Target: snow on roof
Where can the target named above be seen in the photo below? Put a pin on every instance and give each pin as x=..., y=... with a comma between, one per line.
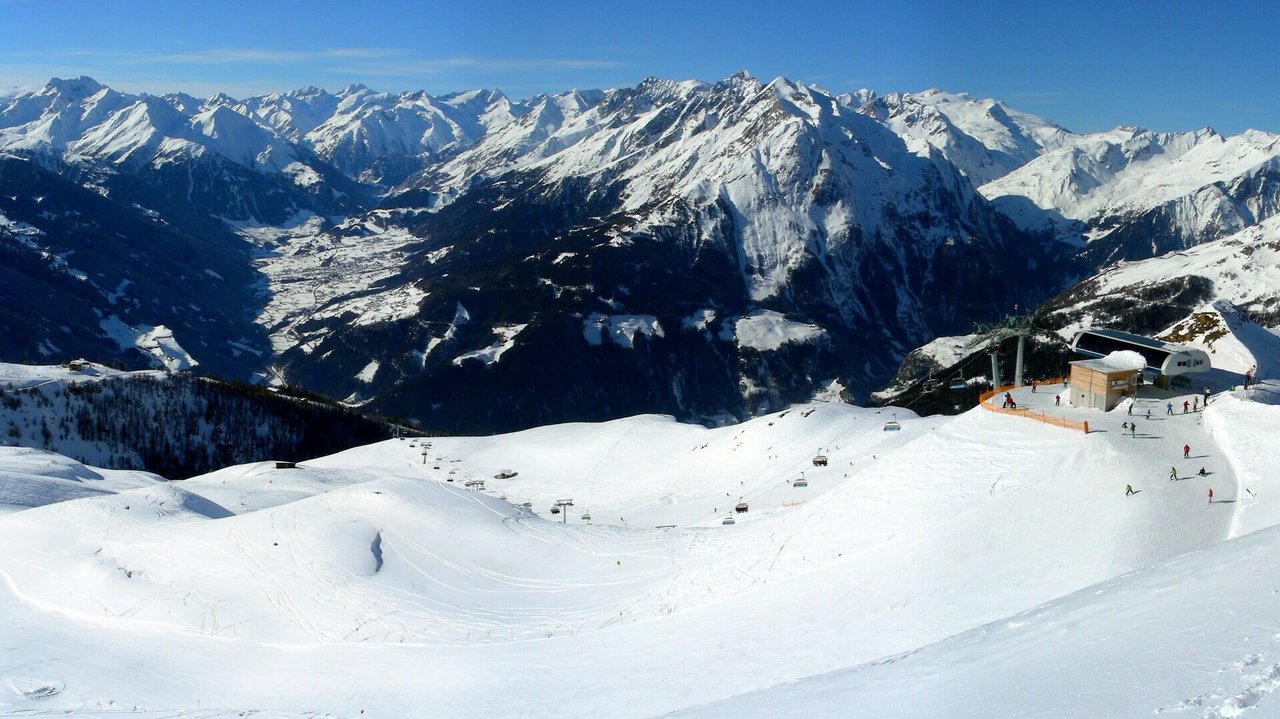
x=1118, y=361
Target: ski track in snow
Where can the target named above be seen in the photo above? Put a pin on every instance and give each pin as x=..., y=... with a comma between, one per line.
x=369, y=580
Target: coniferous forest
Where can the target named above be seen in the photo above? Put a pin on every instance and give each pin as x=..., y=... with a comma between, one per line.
x=179, y=425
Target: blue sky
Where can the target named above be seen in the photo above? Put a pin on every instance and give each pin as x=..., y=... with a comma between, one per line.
x=1088, y=65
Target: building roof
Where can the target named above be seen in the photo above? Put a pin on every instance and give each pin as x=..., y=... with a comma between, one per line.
x=1135, y=339
x=1102, y=364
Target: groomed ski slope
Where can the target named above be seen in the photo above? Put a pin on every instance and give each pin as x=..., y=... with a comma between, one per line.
x=368, y=581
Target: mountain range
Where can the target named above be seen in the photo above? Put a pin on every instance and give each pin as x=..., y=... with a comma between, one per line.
x=707, y=250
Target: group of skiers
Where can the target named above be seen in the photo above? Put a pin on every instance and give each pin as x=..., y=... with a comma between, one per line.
x=1194, y=406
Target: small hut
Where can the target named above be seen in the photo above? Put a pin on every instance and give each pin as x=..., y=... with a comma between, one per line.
x=1101, y=383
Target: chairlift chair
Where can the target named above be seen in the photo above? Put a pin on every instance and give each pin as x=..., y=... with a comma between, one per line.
x=741, y=508
x=958, y=382
x=820, y=460
x=892, y=425
x=728, y=521
x=555, y=509
x=802, y=482
x=586, y=517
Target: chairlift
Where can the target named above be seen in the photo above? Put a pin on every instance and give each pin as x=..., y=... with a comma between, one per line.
x=555, y=509
x=741, y=508
x=958, y=382
x=728, y=521
x=821, y=459
x=586, y=516
x=802, y=482
x=892, y=425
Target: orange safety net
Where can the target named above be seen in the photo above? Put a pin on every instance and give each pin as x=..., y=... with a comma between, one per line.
x=1030, y=413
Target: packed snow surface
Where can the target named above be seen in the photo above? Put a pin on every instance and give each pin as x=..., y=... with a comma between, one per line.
x=958, y=557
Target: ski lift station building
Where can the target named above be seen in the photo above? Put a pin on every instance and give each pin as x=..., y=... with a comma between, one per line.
x=1107, y=378
x=1164, y=360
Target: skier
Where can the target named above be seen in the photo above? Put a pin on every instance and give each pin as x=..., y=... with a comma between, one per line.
x=1173, y=474
x=1185, y=405
x=1195, y=404
x=1186, y=451
x=1033, y=386
x=1128, y=490
x=1148, y=413
x=1130, y=409
x=1203, y=473
x=1168, y=408
x=1206, y=396
x=1057, y=400
x=1133, y=431
x=1125, y=426
x=1210, y=496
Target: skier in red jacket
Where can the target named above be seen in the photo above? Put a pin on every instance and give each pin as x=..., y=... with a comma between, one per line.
x=1211, y=496
x=1186, y=451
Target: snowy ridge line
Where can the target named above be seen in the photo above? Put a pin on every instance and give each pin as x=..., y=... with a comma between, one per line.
x=1028, y=413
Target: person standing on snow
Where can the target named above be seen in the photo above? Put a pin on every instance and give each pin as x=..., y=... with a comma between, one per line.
x=1130, y=409
x=1148, y=413
x=1173, y=474
x=1195, y=404
x=1186, y=451
x=1133, y=430
x=1168, y=408
x=1057, y=400
x=1185, y=405
x=1128, y=490
x=1210, y=496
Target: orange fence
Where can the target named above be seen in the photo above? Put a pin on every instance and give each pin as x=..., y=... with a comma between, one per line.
x=1029, y=413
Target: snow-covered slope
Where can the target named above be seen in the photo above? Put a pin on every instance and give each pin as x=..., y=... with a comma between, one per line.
x=1234, y=274
x=34, y=478
x=1130, y=186
x=103, y=417
x=984, y=138
x=384, y=579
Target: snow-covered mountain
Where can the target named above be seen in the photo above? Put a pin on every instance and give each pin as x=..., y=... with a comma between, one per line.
x=428, y=254
x=984, y=138
x=1133, y=193
x=679, y=209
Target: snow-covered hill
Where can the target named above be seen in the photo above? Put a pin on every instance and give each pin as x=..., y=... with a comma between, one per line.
x=1135, y=193
x=175, y=424
x=384, y=579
